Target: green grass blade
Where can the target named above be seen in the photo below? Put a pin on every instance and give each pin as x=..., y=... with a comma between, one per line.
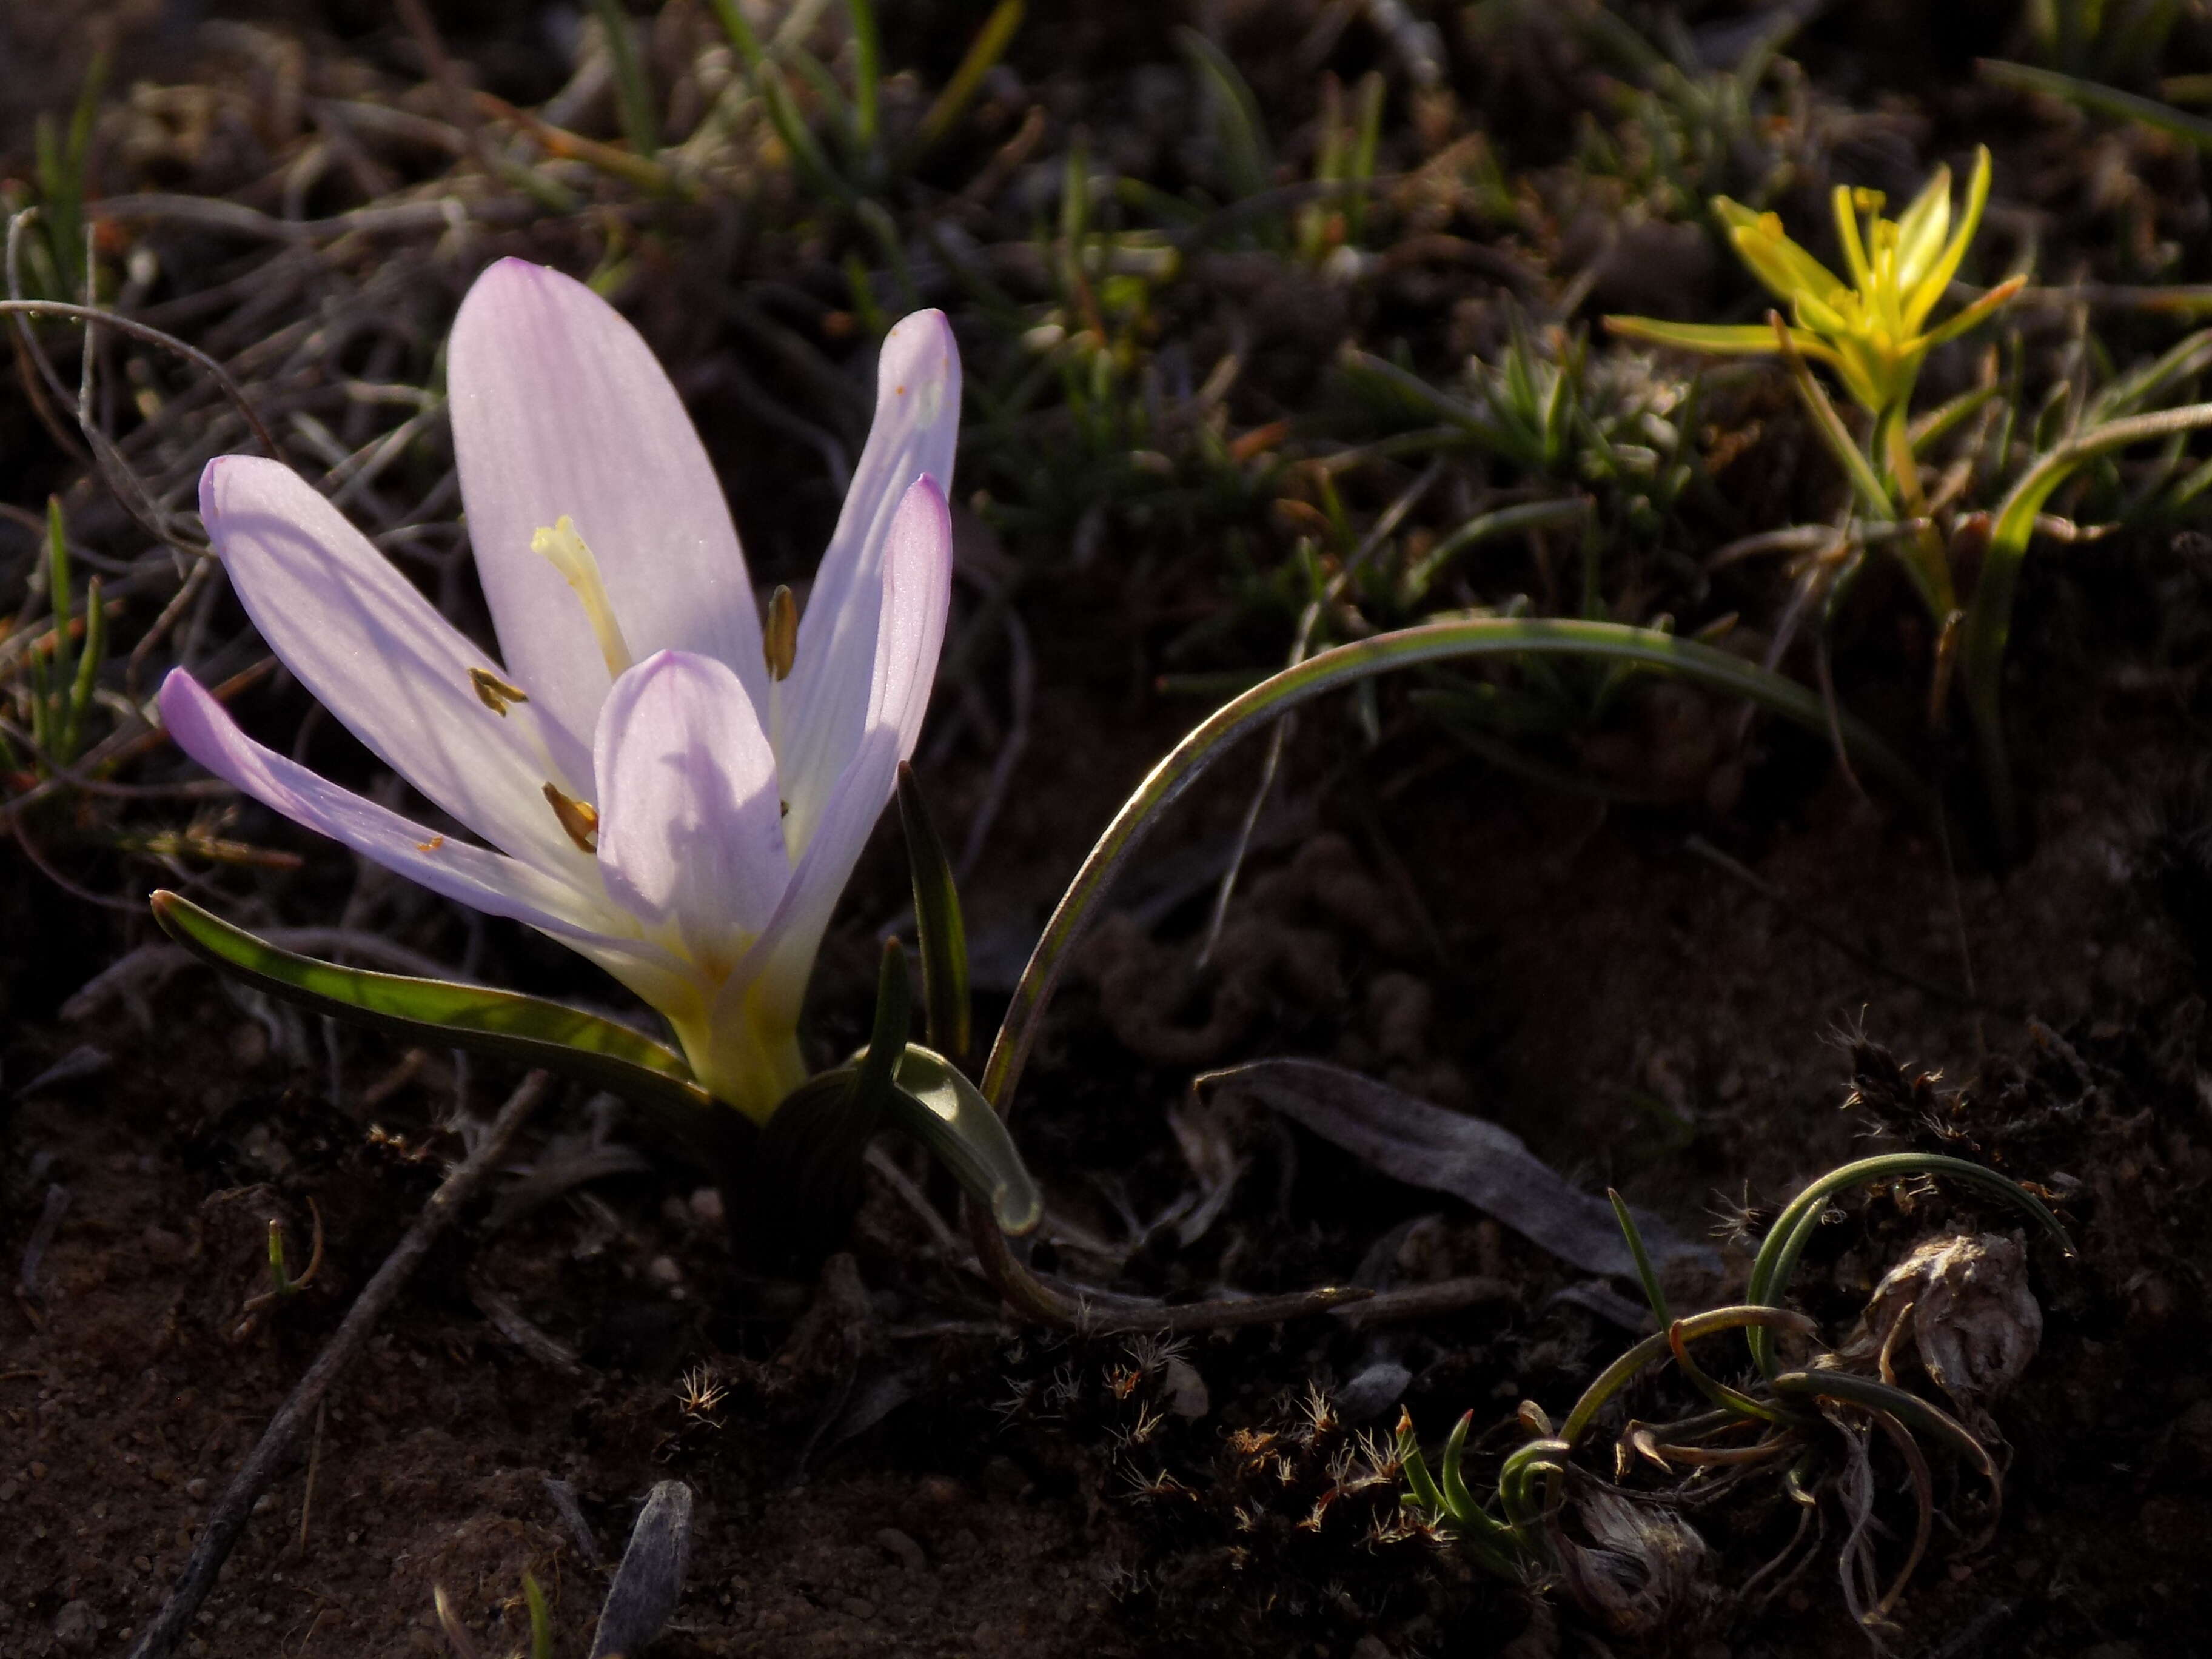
x=893, y=1015
x=1646, y=1274
x=1459, y=1502
x=1237, y=124
x=1414, y=585
x=541, y=1618
x=1609, y=643
x=473, y=1017
x=64, y=666
x=988, y=47
x=937, y=924
x=867, y=69
x=1420, y=1485
x=729, y=14
x=633, y=91
x=2099, y=100
x=88, y=671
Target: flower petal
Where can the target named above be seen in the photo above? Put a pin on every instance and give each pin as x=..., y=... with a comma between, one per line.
x=690, y=829
x=559, y=407
x=377, y=653
x=475, y=876
x=771, y=983
x=888, y=680
x=917, y=592
x=820, y=710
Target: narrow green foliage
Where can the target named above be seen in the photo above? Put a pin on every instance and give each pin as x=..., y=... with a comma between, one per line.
x=1451, y=1505
x=983, y=52
x=1793, y=1228
x=938, y=1107
x=1239, y=132
x=57, y=593
x=867, y=71
x=527, y=1028
x=1646, y=1274
x=541, y=1618
x=887, y=1040
x=641, y=117
x=939, y=930
x=2101, y=100
x=278, y=1278
x=60, y=679
x=58, y=170
x=730, y=16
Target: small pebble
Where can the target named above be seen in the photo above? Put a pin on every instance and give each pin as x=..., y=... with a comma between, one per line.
x=663, y=1270
x=196, y=1488
x=860, y=1607
x=902, y=1549
x=1186, y=1396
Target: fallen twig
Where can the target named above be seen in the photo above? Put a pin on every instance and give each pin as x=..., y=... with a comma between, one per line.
x=222, y=1531
x=1098, y=1316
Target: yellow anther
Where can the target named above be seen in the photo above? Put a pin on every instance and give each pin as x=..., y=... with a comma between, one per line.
x=564, y=550
x=580, y=818
x=495, y=693
x=779, y=638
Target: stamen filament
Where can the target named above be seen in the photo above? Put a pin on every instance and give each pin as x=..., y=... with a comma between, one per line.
x=564, y=550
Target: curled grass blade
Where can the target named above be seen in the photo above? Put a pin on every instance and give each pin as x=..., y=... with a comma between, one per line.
x=1908, y=1408
x=1793, y=1230
x=1613, y=643
x=1660, y=1346
x=943, y=1110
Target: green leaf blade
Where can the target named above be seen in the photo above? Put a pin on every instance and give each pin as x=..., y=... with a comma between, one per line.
x=938, y=926
x=505, y=1023
x=938, y=1107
